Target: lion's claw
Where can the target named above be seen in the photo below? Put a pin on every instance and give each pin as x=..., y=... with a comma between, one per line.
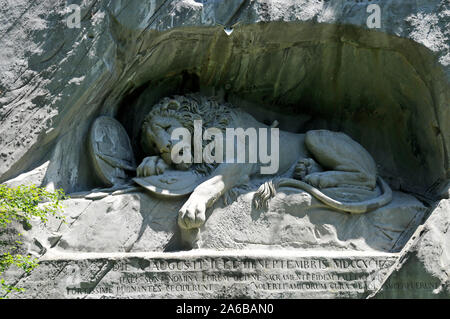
x=192, y=214
x=152, y=165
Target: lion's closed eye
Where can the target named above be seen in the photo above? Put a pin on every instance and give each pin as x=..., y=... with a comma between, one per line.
x=165, y=127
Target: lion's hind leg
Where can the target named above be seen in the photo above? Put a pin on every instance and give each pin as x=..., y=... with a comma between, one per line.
x=346, y=162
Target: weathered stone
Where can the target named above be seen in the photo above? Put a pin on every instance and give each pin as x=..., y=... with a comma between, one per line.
x=297, y=220
x=422, y=272
x=304, y=64
x=122, y=223
x=208, y=274
x=66, y=78
x=138, y=222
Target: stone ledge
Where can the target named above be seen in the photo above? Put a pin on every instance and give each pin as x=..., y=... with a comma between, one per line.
x=208, y=274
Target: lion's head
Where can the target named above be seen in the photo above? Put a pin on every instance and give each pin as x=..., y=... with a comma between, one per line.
x=181, y=111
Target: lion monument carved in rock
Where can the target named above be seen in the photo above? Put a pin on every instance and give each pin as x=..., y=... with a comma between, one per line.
x=322, y=159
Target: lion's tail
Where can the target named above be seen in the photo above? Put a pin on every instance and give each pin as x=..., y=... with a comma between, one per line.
x=264, y=194
x=269, y=189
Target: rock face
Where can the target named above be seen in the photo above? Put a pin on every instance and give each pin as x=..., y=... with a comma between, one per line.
x=307, y=64
x=297, y=220
x=137, y=222
x=128, y=246
x=422, y=272
x=122, y=223
x=315, y=70
x=207, y=274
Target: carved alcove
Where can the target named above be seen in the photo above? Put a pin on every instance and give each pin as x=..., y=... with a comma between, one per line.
x=385, y=92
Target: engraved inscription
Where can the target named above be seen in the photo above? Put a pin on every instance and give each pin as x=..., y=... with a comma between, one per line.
x=216, y=276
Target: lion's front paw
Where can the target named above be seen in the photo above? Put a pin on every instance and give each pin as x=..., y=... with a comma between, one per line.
x=152, y=165
x=304, y=167
x=193, y=213
x=320, y=180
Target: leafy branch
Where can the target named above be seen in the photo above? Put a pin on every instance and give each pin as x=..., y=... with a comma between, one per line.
x=22, y=204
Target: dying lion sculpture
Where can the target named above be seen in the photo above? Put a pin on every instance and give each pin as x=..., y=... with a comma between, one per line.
x=322, y=159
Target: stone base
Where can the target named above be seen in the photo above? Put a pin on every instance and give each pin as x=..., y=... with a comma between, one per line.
x=128, y=246
x=208, y=274
x=295, y=219
x=137, y=222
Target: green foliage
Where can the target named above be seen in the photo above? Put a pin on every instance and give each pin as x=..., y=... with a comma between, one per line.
x=24, y=202
x=26, y=263
x=21, y=204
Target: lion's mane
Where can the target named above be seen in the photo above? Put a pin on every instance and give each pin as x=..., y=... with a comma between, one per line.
x=190, y=107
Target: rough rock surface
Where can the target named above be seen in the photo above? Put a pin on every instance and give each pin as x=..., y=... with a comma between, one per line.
x=297, y=220
x=138, y=222
x=122, y=223
x=423, y=271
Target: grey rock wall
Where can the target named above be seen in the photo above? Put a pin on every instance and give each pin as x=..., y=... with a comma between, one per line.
x=55, y=80
x=307, y=63
x=423, y=271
